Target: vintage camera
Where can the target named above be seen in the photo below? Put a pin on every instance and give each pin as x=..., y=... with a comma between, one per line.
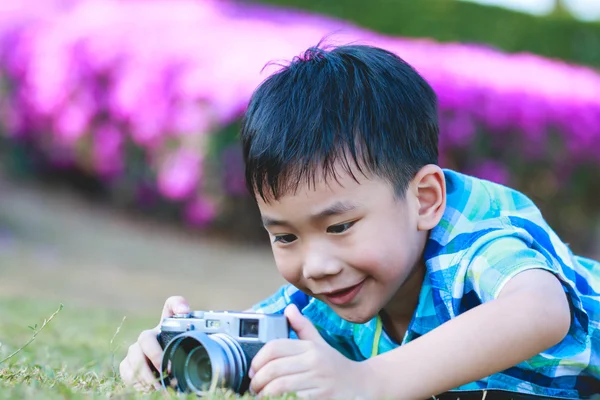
x=205, y=350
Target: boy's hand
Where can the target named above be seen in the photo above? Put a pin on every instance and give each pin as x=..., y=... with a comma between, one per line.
x=309, y=367
x=145, y=355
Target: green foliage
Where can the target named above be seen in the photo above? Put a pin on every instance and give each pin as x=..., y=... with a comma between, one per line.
x=554, y=36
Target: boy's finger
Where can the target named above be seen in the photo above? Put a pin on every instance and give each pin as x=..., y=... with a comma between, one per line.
x=126, y=372
x=302, y=325
x=150, y=347
x=275, y=369
x=141, y=370
x=174, y=305
x=275, y=349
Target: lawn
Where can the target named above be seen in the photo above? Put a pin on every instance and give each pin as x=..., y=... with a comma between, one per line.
x=76, y=354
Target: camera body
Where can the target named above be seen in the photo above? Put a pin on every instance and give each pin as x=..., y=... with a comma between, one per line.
x=204, y=350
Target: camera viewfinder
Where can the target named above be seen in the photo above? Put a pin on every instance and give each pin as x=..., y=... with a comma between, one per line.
x=249, y=328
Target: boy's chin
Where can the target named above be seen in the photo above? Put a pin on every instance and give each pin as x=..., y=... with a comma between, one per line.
x=356, y=316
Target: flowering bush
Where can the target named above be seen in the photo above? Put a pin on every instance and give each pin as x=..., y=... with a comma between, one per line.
x=146, y=95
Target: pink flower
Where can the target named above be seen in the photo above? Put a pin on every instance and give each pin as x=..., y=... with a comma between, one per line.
x=233, y=171
x=492, y=171
x=200, y=212
x=190, y=118
x=175, y=73
x=180, y=174
x=107, y=149
x=72, y=122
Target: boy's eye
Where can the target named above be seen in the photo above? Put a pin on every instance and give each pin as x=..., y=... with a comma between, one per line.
x=285, y=239
x=341, y=228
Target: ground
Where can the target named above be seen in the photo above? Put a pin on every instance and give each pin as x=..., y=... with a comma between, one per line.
x=56, y=246
x=101, y=277
x=102, y=266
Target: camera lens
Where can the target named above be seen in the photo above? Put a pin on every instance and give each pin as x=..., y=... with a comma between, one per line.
x=201, y=362
x=198, y=370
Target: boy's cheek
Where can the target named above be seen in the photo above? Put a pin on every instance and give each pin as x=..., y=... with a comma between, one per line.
x=370, y=259
x=289, y=269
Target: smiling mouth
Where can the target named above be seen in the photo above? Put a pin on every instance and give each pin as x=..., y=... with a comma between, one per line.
x=344, y=296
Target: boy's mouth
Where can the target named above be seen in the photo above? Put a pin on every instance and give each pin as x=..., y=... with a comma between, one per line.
x=344, y=296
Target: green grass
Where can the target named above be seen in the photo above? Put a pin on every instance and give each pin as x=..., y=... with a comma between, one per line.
x=74, y=355
x=49, y=351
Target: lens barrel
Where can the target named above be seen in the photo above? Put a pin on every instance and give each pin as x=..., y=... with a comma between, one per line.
x=196, y=362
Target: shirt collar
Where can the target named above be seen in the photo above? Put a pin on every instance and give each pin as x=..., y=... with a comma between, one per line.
x=424, y=319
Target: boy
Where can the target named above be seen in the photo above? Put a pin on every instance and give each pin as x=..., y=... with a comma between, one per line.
x=405, y=280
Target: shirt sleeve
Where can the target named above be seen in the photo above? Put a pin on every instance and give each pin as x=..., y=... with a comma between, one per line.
x=278, y=301
x=495, y=262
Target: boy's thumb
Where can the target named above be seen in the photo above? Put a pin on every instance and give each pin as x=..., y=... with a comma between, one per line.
x=174, y=305
x=302, y=325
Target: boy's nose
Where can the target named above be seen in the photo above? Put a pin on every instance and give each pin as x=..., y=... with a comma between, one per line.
x=318, y=266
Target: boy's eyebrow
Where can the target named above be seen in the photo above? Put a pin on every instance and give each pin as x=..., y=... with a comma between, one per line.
x=337, y=208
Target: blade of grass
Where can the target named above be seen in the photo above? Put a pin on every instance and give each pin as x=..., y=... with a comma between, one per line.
x=35, y=333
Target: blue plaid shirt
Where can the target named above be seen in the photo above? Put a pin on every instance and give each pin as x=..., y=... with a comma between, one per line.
x=488, y=234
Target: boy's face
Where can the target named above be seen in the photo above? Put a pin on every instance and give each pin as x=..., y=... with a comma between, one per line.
x=349, y=244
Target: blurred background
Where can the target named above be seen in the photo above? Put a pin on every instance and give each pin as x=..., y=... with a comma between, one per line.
x=121, y=179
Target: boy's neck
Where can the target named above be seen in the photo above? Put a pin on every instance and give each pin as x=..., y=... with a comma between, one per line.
x=397, y=314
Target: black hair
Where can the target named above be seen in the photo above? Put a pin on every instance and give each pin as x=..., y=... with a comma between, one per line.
x=358, y=105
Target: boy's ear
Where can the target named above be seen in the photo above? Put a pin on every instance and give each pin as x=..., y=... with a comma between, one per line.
x=429, y=187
